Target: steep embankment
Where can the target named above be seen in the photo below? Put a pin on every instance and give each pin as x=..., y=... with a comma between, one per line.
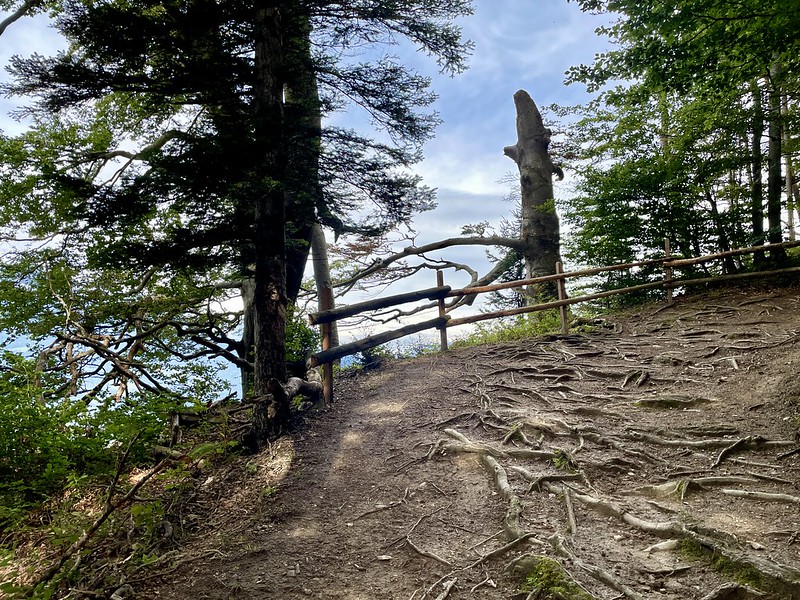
x=652, y=458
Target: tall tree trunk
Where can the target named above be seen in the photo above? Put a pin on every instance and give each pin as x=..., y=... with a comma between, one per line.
x=792, y=191
x=322, y=274
x=540, y=227
x=269, y=299
x=756, y=182
x=248, y=345
x=304, y=123
x=774, y=166
x=728, y=265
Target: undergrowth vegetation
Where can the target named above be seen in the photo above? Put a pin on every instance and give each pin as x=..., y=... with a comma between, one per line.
x=73, y=473
x=512, y=329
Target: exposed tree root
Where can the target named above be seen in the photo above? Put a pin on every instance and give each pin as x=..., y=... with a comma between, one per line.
x=752, y=442
x=786, y=498
x=511, y=522
x=732, y=591
x=599, y=574
x=774, y=575
x=681, y=488
x=488, y=450
x=559, y=396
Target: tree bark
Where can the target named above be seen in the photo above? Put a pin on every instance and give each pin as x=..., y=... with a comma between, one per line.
x=322, y=274
x=540, y=227
x=756, y=184
x=774, y=166
x=269, y=300
x=728, y=264
x=247, y=348
x=792, y=192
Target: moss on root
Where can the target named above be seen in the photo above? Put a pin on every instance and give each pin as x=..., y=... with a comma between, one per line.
x=547, y=577
x=741, y=573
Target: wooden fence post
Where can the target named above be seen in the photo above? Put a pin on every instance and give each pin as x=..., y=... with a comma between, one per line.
x=325, y=329
x=443, y=328
x=562, y=295
x=667, y=271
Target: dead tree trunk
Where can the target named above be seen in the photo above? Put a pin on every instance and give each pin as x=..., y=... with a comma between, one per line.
x=322, y=273
x=247, y=348
x=540, y=228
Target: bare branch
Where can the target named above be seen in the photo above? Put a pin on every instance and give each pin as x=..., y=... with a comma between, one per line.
x=514, y=243
x=24, y=9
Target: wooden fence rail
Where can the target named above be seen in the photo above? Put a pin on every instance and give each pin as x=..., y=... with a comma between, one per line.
x=323, y=318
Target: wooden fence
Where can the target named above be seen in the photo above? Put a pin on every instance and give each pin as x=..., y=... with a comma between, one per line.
x=441, y=292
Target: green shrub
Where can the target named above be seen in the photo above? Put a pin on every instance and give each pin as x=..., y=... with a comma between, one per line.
x=301, y=339
x=48, y=444
x=518, y=328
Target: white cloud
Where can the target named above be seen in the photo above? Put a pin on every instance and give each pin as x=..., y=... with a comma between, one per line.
x=32, y=35
x=518, y=45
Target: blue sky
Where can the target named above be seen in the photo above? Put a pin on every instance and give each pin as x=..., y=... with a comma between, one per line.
x=519, y=44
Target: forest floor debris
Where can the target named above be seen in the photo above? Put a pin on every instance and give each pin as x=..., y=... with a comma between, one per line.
x=657, y=459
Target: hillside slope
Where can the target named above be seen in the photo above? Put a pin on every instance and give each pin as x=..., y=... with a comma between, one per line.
x=652, y=458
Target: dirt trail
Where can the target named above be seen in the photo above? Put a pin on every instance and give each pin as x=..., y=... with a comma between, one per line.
x=666, y=425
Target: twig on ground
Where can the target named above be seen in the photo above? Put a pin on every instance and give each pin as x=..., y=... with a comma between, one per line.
x=437, y=488
x=737, y=445
x=381, y=507
x=503, y=549
x=488, y=539
x=486, y=557
x=486, y=581
x=788, y=454
x=422, y=552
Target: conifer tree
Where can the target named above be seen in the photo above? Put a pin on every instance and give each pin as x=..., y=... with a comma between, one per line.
x=180, y=144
